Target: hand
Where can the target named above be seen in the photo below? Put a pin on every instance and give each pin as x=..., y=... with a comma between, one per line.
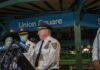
x=96, y=65
x=97, y=68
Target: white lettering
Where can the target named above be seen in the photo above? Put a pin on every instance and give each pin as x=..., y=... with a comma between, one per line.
x=27, y=24
x=34, y=24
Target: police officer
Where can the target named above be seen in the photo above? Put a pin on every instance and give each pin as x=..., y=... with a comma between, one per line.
x=47, y=50
x=96, y=51
x=28, y=45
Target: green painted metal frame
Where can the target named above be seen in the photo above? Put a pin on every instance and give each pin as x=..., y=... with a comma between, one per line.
x=12, y=2
x=77, y=32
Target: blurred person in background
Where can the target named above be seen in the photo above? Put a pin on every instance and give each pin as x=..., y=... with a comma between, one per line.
x=9, y=41
x=96, y=51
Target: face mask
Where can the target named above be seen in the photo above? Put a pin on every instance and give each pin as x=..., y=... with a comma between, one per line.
x=23, y=38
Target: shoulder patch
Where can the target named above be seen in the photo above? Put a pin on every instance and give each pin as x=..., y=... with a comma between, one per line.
x=54, y=45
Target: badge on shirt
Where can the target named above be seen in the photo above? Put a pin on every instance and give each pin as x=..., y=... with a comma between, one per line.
x=47, y=45
x=54, y=45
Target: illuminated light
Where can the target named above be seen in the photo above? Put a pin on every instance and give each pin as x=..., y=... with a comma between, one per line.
x=85, y=50
x=72, y=52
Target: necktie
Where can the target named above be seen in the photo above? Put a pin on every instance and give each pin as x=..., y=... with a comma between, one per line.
x=38, y=55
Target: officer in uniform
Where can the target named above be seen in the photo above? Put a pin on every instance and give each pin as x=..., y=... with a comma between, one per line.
x=47, y=51
x=28, y=45
x=96, y=51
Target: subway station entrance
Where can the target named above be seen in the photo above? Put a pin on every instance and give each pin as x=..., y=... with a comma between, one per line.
x=74, y=22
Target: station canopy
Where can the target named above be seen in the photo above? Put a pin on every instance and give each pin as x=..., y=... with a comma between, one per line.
x=58, y=11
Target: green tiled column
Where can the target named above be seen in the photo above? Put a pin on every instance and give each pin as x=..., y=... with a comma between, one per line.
x=77, y=32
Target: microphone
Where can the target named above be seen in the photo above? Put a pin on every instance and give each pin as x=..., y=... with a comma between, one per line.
x=7, y=47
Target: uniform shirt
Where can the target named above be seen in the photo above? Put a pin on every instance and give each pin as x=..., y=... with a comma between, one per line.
x=50, y=54
x=30, y=51
x=96, y=47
